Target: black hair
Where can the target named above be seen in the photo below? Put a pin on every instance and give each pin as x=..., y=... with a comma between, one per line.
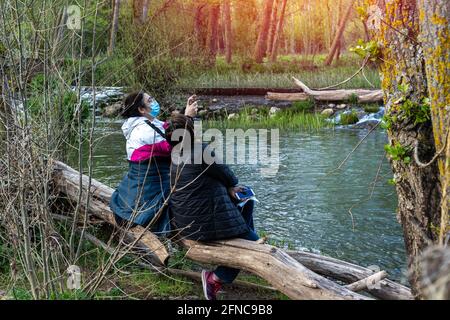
x=132, y=103
x=179, y=121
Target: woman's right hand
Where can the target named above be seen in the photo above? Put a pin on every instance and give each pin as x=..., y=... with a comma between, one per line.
x=191, y=107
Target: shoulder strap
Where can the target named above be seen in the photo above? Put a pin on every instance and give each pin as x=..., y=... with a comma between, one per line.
x=158, y=130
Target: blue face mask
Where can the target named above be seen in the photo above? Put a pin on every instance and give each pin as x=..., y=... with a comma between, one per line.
x=155, y=108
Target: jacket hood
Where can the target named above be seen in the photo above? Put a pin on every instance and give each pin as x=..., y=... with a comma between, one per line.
x=130, y=124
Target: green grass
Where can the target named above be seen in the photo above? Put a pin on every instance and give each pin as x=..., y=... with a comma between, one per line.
x=279, y=75
x=147, y=284
x=286, y=119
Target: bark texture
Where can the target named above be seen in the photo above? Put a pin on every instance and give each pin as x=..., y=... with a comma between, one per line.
x=405, y=85
x=435, y=40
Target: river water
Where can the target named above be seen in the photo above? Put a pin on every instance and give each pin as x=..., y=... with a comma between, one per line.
x=304, y=206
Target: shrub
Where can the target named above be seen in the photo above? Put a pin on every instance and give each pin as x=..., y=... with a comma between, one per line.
x=353, y=99
x=349, y=118
x=371, y=108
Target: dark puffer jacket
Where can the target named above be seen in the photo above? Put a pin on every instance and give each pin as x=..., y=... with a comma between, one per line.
x=201, y=203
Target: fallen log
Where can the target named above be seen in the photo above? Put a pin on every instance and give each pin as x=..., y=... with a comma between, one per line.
x=272, y=264
x=279, y=96
x=67, y=181
x=348, y=272
x=279, y=269
x=196, y=276
x=364, y=96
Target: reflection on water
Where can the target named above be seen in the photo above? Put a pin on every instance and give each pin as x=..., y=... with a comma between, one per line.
x=303, y=205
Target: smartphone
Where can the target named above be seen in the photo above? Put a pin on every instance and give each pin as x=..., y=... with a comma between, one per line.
x=245, y=193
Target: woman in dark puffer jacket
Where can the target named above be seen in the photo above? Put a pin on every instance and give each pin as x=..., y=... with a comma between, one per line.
x=203, y=205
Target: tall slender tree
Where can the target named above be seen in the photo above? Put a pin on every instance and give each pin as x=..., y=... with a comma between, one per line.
x=278, y=33
x=339, y=32
x=228, y=31
x=273, y=26
x=213, y=28
x=261, y=44
x=114, y=26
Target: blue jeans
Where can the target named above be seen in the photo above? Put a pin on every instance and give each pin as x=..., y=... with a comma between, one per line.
x=226, y=274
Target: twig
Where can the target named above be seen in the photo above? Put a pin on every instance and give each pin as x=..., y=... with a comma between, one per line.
x=350, y=78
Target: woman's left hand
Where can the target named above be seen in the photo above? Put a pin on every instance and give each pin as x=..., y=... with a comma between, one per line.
x=233, y=190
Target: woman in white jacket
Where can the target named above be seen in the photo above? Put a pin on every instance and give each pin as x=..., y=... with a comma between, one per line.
x=140, y=197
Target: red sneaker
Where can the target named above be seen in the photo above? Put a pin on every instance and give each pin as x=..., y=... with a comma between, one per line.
x=210, y=285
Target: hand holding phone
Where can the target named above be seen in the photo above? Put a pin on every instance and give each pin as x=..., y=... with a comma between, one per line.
x=245, y=193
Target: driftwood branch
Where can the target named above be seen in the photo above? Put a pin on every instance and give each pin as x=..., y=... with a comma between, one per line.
x=348, y=272
x=341, y=95
x=366, y=283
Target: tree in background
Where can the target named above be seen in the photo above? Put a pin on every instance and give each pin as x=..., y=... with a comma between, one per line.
x=273, y=26
x=261, y=44
x=228, y=31
x=114, y=26
x=244, y=17
x=213, y=31
x=337, y=40
x=278, y=33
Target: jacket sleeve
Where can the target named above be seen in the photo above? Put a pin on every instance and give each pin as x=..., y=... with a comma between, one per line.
x=221, y=172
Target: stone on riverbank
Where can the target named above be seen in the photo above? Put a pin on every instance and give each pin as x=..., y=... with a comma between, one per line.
x=112, y=110
x=327, y=112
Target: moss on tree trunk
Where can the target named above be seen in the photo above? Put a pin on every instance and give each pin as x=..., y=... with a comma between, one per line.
x=405, y=87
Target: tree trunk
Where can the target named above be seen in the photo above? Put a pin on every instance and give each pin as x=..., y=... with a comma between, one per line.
x=339, y=33
x=435, y=35
x=278, y=33
x=405, y=86
x=228, y=33
x=273, y=26
x=261, y=44
x=199, y=25
x=114, y=27
x=213, y=28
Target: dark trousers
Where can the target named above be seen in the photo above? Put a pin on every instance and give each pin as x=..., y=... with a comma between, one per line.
x=226, y=274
